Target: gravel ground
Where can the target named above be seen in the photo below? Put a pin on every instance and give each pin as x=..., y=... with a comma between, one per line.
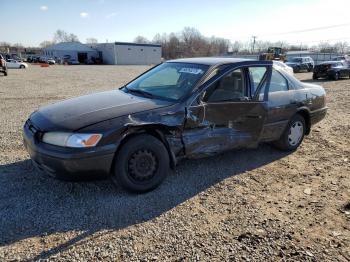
x=247, y=205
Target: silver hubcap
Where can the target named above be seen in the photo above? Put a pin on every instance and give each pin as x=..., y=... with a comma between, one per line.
x=295, y=133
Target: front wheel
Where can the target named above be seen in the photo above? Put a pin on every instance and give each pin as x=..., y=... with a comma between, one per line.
x=314, y=76
x=21, y=66
x=336, y=76
x=293, y=135
x=141, y=164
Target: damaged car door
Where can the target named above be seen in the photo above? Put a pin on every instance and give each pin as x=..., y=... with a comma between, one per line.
x=228, y=113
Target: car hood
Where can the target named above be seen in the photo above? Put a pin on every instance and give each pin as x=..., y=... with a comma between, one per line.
x=79, y=112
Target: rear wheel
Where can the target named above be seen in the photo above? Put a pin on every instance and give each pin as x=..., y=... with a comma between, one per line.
x=293, y=135
x=21, y=66
x=141, y=164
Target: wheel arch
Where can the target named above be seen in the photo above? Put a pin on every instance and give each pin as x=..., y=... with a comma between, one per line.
x=305, y=113
x=158, y=131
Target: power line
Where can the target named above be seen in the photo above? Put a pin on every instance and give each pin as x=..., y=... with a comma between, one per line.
x=310, y=29
x=319, y=41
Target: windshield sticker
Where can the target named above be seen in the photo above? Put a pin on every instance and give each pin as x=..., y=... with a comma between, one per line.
x=195, y=71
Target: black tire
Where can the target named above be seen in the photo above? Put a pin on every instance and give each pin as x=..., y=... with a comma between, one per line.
x=297, y=69
x=284, y=142
x=5, y=73
x=314, y=76
x=21, y=66
x=141, y=164
x=336, y=76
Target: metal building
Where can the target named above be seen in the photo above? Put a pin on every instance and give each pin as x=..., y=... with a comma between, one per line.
x=120, y=53
x=71, y=51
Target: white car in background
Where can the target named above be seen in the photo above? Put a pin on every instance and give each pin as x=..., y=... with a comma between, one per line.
x=51, y=61
x=12, y=63
x=284, y=67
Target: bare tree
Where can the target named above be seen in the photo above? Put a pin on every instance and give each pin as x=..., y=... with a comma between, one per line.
x=141, y=40
x=72, y=38
x=45, y=44
x=91, y=40
x=5, y=47
x=236, y=46
x=60, y=36
x=325, y=47
x=341, y=47
x=63, y=36
x=157, y=39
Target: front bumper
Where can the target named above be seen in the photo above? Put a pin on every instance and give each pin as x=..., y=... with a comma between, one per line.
x=68, y=163
x=317, y=115
x=326, y=73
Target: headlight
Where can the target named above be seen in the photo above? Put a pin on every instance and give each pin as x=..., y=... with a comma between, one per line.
x=71, y=139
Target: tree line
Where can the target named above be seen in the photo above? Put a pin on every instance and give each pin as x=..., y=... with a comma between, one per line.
x=191, y=43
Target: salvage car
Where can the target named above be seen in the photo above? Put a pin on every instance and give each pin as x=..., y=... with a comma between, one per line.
x=184, y=108
x=3, y=65
x=331, y=70
x=301, y=63
x=284, y=67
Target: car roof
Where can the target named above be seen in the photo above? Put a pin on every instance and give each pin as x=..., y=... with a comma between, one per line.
x=216, y=60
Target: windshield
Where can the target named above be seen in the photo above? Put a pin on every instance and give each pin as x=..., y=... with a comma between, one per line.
x=169, y=81
x=298, y=60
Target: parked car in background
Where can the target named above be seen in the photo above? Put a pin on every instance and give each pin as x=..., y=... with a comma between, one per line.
x=284, y=67
x=301, y=63
x=184, y=108
x=66, y=59
x=51, y=61
x=73, y=62
x=11, y=63
x=331, y=70
x=3, y=65
x=33, y=59
x=342, y=58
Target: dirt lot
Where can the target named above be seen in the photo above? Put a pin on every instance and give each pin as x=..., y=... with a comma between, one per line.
x=247, y=205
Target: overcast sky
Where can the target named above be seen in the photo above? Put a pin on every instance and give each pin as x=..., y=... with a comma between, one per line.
x=32, y=21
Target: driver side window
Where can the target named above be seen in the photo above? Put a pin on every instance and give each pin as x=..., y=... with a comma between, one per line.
x=231, y=87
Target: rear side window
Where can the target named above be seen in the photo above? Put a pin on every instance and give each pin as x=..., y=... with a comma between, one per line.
x=278, y=82
x=257, y=75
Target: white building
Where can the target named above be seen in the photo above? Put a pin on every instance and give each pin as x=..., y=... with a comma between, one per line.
x=71, y=51
x=120, y=53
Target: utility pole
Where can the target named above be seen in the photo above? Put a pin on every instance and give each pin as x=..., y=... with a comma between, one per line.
x=254, y=37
